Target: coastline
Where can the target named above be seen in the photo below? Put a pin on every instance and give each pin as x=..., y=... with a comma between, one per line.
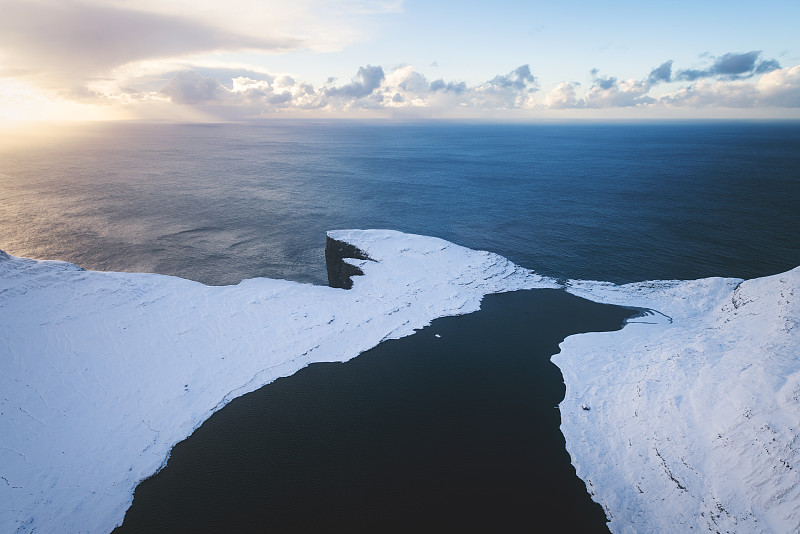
x=107, y=371
x=694, y=415
x=95, y=357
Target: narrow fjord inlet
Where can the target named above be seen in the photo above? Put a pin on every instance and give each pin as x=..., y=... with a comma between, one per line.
x=455, y=428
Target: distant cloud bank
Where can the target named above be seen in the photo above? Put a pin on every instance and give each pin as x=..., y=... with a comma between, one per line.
x=731, y=81
x=721, y=84
x=371, y=88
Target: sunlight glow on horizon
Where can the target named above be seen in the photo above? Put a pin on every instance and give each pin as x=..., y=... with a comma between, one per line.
x=24, y=102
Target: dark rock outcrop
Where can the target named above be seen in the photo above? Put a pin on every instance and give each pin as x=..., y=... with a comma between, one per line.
x=339, y=272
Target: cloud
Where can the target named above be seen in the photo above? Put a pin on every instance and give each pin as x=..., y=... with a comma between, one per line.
x=605, y=83
x=508, y=91
x=160, y=51
x=735, y=64
x=189, y=87
x=610, y=92
x=402, y=89
x=662, y=73
x=714, y=94
x=732, y=88
x=69, y=40
x=367, y=80
x=103, y=51
x=731, y=66
x=780, y=88
x=518, y=79
x=777, y=88
x=563, y=96
x=220, y=92
x=246, y=97
x=406, y=90
x=441, y=85
x=226, y=74
x=408, y=80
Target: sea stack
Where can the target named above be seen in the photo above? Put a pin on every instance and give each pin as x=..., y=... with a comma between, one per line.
x=339, y=271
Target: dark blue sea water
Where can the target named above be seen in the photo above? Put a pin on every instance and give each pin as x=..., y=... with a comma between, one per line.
x=459, y=432
x=219, y=203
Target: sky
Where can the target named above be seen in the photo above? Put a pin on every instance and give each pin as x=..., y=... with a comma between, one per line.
x=222, y=60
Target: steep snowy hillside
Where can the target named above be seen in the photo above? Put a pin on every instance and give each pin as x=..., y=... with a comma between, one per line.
x=694, y=412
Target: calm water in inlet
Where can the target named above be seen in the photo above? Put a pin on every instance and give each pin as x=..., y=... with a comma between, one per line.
x=458, y=431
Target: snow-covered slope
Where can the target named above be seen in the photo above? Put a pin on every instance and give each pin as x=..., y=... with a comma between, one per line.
x=694, y=412
x=102, y=373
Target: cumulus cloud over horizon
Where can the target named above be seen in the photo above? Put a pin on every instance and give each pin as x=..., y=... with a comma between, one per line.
x=405, y=89
x=731, y=81
x=732, y=66
x=189, y=87
x=366, y=81
x=777, y=88
x=662, y=73
x=519, y=78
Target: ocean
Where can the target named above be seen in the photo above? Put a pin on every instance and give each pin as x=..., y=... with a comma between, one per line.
x=223, y=203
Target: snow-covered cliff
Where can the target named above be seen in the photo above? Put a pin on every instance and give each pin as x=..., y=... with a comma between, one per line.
x=102, y=373
x=687, y=418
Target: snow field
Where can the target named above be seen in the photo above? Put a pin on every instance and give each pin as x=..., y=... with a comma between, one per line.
x=102, y=373
x=693, y=409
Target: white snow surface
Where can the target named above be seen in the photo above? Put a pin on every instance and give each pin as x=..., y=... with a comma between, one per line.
x=102, y=373
x=693, y=420
x=686, y=419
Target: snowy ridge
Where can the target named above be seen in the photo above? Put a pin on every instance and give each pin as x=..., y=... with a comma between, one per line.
x=693, y=417
x=102, y=373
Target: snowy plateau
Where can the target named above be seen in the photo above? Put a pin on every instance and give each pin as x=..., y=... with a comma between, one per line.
x=686, y=418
